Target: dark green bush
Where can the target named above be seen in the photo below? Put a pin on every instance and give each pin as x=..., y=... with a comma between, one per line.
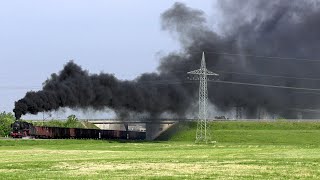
x=6, y=119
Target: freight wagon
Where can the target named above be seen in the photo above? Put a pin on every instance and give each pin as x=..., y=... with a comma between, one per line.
x=23, y=129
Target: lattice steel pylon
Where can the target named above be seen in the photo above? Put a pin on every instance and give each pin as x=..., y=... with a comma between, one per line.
x=203, y=135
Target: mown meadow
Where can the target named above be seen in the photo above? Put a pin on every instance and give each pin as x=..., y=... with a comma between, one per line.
x=242, y=150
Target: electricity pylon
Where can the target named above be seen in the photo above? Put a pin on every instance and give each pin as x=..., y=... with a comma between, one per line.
x=203, y=135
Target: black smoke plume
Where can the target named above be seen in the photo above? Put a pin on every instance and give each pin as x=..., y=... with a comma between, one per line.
x=74, y=87
x=278, y=28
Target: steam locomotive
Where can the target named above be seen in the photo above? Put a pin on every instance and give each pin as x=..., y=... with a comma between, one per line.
x=21, y=129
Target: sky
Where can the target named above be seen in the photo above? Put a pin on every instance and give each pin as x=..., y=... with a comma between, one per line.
x=37, y=37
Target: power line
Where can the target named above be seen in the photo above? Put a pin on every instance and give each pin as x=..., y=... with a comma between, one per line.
x=305, y=110
x=272, y=76
x=171, y=82
x=266, y=57
x=262, y=75
x=312, y=93
x=265, y=85
x=163, y=82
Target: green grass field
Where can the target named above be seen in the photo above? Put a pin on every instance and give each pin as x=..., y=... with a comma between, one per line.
x=244, y=150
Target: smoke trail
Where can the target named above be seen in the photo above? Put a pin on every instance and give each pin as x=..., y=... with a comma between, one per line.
x=75, y=88
x=287, y=28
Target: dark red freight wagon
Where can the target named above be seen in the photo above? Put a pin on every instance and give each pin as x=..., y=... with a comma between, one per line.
x=22, y=129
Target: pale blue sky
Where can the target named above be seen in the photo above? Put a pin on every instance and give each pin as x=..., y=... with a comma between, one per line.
x=37, y=37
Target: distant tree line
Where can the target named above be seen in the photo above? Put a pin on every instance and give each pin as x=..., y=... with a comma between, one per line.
x=71, y=122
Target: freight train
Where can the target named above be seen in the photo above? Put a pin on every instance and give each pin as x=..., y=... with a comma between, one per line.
x=21, y=129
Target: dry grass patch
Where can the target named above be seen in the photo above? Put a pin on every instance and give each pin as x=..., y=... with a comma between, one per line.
x=159, y=169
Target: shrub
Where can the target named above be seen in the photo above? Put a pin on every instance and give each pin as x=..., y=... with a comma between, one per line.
x=6, y=119
x=72, y=122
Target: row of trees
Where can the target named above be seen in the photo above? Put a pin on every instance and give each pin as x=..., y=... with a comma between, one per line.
x=6, y=119
x=71, y=122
